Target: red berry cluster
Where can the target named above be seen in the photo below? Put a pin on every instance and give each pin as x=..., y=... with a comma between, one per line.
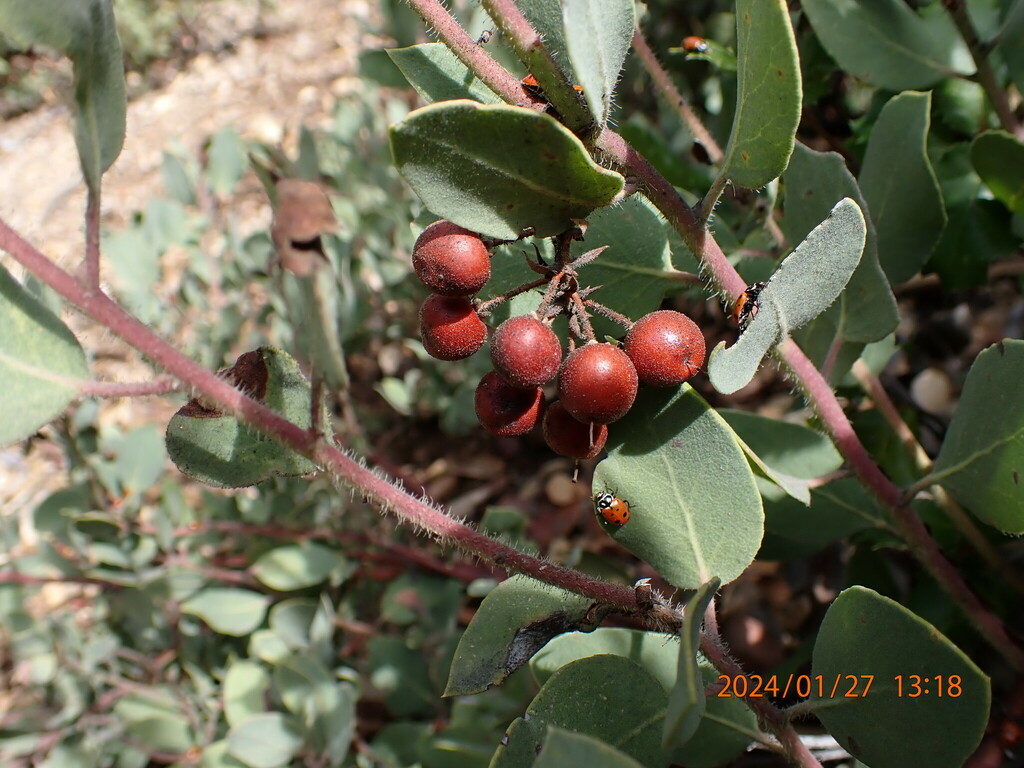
x=597, y=382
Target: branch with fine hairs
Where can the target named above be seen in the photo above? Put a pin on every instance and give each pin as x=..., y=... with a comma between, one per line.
x=986, y=76
x=159, y=385
x=339, y=465
x=668, y=89
x=622, y=157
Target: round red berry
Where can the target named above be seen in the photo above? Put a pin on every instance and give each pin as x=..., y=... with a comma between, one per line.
x=666, y=347
x=568, y=437
x=450, y=260
x=598, y=383
x=526, y=351
x=504, y=410
x=450, y=327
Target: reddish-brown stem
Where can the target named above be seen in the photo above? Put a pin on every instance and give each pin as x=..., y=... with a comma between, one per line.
x=419, y=512
x=486, y=306
x=611, y=314
x=582, y=317
x=986, y=76
x=160, y=385
x=668, y=89
x=92, y=238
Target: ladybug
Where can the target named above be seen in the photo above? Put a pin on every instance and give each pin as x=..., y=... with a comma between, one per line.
x=613, y=509
x=746, y=306
x=694, y=44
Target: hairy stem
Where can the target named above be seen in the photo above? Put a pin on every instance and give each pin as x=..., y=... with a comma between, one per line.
x=160, y=385
x=91, y=269
x=388, y=496
x=668, y=89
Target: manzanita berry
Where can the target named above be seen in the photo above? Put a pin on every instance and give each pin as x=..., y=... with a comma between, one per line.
x=450, y=260
x=526, y=351
x=666, y=347
x=597, y=384
x=450, y=327
x=504, y=410
x=568, y=437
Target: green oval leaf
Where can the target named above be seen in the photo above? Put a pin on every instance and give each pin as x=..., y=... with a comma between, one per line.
x=83, y=30
x=515, y=620
x=244, y=692
x=998, y=157
x=296, y=566
x=866, y=636
x=234, y=612
x=727, y=726
x=609, y=697
x=300, y=680
x=814, y=183
x=437, y=74
x=689, y=522
x=598, y=34
x=563, y=748
x=767, y=97
x=266, y=740
x=497, y=169
x=982, y=458
x=885, y=43
x=805, y=285
x=41, y=362
x=903, y=195
x=220, y=451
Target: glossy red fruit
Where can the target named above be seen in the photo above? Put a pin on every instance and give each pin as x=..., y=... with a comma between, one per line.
x=450, y=260
x=450, y=327
x=568, y=437
x=504, y=410
x=666, y=348
x=526, y=351
x=598, y=383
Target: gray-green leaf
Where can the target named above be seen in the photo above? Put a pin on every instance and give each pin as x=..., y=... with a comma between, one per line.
x=885, y=43
x=927, y=703
x=598, y=35
x=903, y=195
x=767, y=97
x=689, y=521
x=804, y=286
x=437, y=74
x=41, y=362
x=233, y=612
x=83, y=30
x=497, y=169
x=814, y=183
x=982, y=458
x=998, y=157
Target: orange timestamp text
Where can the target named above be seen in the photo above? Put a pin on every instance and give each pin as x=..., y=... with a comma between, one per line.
x=837, y=686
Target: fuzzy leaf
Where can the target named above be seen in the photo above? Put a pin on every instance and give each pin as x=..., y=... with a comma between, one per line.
x=598, y=35
x=41, y=362
x=497, y=169
x=804, y=285
x=689, y=523
x=437, y=74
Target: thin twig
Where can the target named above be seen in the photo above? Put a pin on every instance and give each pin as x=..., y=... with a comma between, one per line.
x=159, y=385
x=986, y=76
x=668, y=89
